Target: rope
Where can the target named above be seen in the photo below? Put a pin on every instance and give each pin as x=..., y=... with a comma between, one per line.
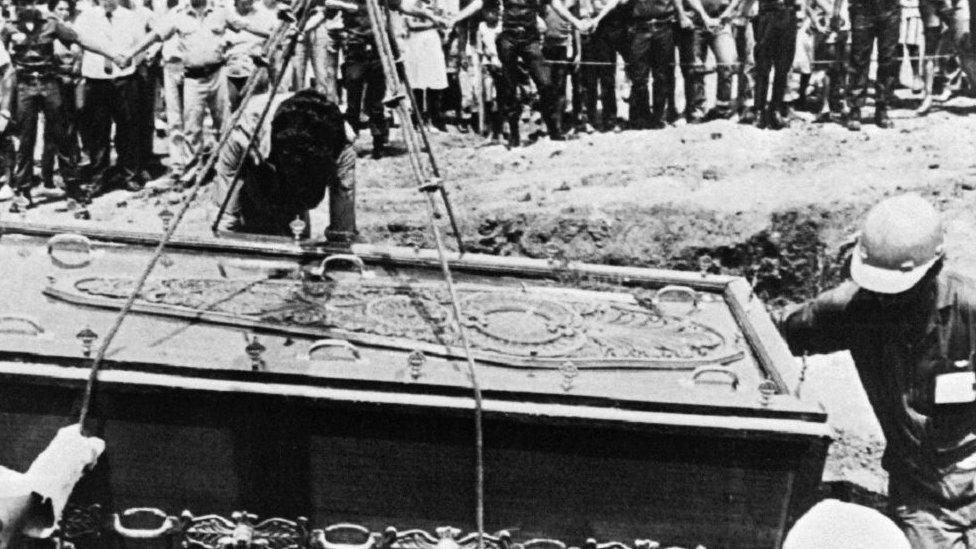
x=199, y=180
x=732, y=65
x=378, y=19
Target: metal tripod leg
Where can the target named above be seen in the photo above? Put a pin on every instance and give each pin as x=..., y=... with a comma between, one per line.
x=395, y=82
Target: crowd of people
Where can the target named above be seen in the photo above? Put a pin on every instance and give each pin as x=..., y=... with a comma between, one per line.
x=105, y=73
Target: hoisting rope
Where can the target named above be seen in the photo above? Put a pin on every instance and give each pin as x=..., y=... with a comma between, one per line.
x=378, y=20
x=396, y=94
x=304, y=11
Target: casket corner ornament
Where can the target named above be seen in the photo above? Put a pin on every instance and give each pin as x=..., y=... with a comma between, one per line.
x=524, y=327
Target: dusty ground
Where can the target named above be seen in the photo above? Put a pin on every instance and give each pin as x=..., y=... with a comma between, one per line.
x=774, y=205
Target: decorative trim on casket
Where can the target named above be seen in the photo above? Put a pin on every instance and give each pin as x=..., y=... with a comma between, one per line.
x=528, y=327
x=90, y=528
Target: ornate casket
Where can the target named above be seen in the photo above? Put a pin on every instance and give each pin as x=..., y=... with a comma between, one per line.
x=619, y=403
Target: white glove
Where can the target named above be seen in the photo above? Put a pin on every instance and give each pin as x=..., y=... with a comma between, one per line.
x=60, y=466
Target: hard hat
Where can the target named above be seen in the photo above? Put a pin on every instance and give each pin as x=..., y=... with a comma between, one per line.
x=900, y=241
x=832, y=523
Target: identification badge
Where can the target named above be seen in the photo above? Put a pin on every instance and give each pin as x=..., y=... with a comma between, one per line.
x=956, y=387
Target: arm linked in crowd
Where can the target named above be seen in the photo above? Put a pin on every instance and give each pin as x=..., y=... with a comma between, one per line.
x=109, y=76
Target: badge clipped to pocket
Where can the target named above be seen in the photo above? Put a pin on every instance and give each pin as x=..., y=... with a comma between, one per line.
x=958, y=386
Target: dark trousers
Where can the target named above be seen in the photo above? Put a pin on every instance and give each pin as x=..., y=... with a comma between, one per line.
x=651, y=54
x=609, y=39
x=866, y=27
x=365, y=86
x=745, y=63
x=69, y=103
x=689, y=42
x=558, y=71
x=511, y=47
x=430, y=105
x=837, y=53
x=775, y=47
x=35, y=96
x=148, y=78
x=108, y=101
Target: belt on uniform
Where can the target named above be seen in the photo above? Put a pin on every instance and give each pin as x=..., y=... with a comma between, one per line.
x=653, y=23
x=202, y=71
x=35, y=75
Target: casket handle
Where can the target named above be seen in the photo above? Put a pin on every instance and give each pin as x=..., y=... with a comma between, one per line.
x=355, y=260
x=168, y=526
x=20, y=325
x=82, y=243
x=704, y=370
x=334, y=343
x=675, y=289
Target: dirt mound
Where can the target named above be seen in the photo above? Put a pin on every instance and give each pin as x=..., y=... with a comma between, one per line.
x=795, y=254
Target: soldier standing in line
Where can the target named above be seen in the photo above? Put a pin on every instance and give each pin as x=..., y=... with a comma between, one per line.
x=652, y=31
x=600, y=50
x=362, y=70
x=775, y=28
x=871, y=20
x=30, y=40
x=521, y=39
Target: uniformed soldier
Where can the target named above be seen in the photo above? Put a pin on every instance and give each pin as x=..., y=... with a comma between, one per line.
x=30, y=40
x=521, y=39
x=775, y=28
x=653, y=25
x=600, y=50
x=871, y=20
x=31, y=503
x=954, y=14
x=910, y=325
x=362, y=69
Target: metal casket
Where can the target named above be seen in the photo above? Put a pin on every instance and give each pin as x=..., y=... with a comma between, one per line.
x=616, y=412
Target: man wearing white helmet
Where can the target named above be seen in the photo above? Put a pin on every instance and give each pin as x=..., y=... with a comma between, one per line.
x=910, y=325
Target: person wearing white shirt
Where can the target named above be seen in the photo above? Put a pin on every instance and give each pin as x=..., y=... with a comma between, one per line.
x=110, y=95
x=201, y=29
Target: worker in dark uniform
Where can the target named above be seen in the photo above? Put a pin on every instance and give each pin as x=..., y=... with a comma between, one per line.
x=363, y=76
x=31, y=503
x=652, y=31
x=30, y=40
x=775, y=27
x=362, y=69
x=710, y=30
x=910, y=325
x=871, y=20
x=521, y=39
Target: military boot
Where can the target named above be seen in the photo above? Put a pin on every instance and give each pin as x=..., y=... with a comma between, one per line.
x=854, y=120
x=882, y=119
x=514, y=139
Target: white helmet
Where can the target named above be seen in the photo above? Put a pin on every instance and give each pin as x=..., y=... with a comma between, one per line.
x=901, y=240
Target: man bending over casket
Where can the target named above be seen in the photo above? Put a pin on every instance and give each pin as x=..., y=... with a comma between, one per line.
x=302, y=150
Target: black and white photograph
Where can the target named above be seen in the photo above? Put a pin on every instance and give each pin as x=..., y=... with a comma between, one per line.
x=487, y=274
